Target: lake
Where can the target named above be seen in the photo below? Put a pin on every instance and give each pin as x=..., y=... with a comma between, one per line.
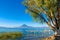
x=30, y=33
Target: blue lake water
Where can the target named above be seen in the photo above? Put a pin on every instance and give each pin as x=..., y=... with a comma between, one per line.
x=30, y=33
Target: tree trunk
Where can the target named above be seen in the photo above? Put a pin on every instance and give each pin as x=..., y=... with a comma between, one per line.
x=57, y=37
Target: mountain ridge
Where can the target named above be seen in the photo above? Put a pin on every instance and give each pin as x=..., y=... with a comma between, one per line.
x=24, y=26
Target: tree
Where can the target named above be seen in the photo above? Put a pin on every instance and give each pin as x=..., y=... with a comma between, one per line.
x=45, y=11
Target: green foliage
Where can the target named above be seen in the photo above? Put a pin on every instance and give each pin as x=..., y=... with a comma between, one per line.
x=10, y=35
x=38, y=7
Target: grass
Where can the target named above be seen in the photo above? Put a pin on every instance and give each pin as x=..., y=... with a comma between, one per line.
x=10, y=35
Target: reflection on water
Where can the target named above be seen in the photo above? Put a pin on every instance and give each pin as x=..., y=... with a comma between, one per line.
x=36, y=35
x=30, y=33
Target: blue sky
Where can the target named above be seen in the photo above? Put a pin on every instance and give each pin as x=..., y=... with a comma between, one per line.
x=12, y=14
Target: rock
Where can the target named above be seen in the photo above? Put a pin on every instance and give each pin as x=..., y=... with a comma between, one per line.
x=50, y=38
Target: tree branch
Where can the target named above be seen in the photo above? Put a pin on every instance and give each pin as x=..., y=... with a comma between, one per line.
x=52, y=19
x=48, y=23
x=37, y=12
